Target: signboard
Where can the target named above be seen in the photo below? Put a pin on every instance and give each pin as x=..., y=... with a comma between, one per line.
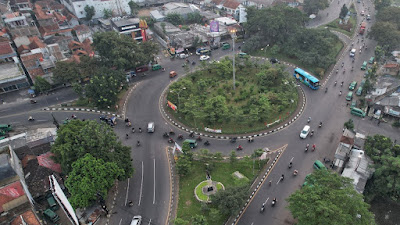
x=172, y=106
x=214, y=26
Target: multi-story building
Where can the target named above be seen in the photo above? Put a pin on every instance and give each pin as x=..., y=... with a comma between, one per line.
x=21, y=5
x=128, y=27
x=19, y=24
x=12, y=76
x=117, y=7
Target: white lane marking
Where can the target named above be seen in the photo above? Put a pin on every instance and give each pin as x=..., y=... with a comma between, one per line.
x=150, y=221
x=154, y=195
x=126, y=195
x=266, y=201
x=120, y=221
x=141, y=186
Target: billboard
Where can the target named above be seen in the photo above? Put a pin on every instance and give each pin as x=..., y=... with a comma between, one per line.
x=214, y=26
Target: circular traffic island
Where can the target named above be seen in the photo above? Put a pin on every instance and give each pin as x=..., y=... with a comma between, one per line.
x=264, y=95
x=206, y=188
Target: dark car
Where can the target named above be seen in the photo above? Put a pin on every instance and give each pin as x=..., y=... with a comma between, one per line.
x=273, y=60
x=213, y=47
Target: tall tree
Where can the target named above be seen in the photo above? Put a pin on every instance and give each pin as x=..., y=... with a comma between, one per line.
x=380, y=4
x=329, y=198
x=90, y=12
x=77, y=138
x=230, y=200
x=313, y=6
x=88, y=177
x=343, y=11
x=386, y=34
x=199, y=220
x=175, y=18
x=122, y=52
x=133, y=7
x=104, y=87
x=66, y=72
x=107, y=13
x=41, y=84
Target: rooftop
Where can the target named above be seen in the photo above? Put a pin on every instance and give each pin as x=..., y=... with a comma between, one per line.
x=28, y=217
x=9, y=193
x=10, y=71
x=126, y=22
x=5, y=48
x=232, y=4
x=6, y=171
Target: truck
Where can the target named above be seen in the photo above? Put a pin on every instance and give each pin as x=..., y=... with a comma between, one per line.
x=362, y=27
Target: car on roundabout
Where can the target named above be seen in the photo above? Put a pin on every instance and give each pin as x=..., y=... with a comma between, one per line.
x=304, y=133
x=204, y=57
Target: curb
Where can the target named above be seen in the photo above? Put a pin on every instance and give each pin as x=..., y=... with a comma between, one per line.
x=280, y=151
x=82, y=110
x=228, y=137
x=126, y=99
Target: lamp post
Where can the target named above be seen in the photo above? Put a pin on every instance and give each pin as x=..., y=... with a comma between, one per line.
x=233, y=33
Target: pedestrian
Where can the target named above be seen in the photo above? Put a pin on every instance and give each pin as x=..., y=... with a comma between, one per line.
x=395, y=141
x=347, y=104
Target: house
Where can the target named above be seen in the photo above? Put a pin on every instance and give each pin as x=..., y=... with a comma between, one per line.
x=19, y=24
x=28, y=217
x=182, y=9
x=343, y=150
x=21, y=5
x=117, y=7
x=62, y=42
x=391, y=69
x=157, y=16
x=129, y=26
x=12, y=76
x=359, y=168
x=79, y=49
x=231, y=7
x=83, y=32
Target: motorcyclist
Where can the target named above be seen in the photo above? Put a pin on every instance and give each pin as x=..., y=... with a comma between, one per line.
x=335, y=82
x=290, y=164
x=207, y=143
x=337, y=70
x=262, y=207
x=309, y=119
x=138, y=143
x=314, y=146
x=320, y=124
x=127, y=136
x=170, y=140
x=239, y=147
x=341, y=84
x=133, y=130
x=326, y=90
x=180, y=136
x=295, y=172
x=340, y=93
x=30, y=118
x=140, y=130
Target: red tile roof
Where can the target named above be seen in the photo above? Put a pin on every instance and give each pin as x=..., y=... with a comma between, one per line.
x=36, y=43
x=391, y=65
x=23, y=49
x=29, y=60
x=10, y=192
x=29, y=218
x=232, y=4
x=5, y=48
x=45, y=160
x=81, y=29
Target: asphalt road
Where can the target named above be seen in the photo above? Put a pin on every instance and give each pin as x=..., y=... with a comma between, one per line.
x=149, y=188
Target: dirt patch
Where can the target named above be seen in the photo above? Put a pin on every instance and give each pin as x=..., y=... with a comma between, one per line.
x=188, y=203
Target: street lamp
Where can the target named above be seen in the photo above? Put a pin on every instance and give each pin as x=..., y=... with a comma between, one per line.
x=233, y=33
x=171, y=91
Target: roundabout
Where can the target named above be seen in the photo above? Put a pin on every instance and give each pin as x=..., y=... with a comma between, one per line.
x=206, y=188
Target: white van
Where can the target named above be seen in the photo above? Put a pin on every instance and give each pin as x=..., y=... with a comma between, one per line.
x=304, y=132
x=353, y=52
x=150, y=127
x=137, y=220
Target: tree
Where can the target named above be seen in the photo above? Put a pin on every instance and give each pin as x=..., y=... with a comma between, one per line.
x=121, y=51
x=41, y=84
x=329, y=198
x=313, y=6
x=197, y=42
x=349, y=124
x=386, y=34
x=343, y=12
x=107, y=13
x=104, y=87
x=66, y=72
x=77, y=138
x=88, y=177
x=183, y=165
x=194, y=17
x=381, y=4
x=214, y=214
x=217, y=109
x=230, y=200
x=133, y=7
x=233, y=156
x=90, y=12
x=175, y=18
x=199, y=220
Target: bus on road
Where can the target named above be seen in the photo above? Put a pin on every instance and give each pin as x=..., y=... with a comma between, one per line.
x=306, y=78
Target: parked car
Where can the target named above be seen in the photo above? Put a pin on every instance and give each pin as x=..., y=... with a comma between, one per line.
x=204, y=57
x=274, y=60
x=352, y=85
x=225, y=46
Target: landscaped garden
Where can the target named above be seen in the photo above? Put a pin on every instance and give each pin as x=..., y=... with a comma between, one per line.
x=263, y=94
x=220, y=171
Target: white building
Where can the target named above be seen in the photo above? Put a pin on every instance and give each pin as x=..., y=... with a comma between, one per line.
x=118, y=7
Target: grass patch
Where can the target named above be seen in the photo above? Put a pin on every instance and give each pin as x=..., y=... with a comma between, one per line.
x=348, y=28
x=188, y=205
x=219, y=186
x=199, y=191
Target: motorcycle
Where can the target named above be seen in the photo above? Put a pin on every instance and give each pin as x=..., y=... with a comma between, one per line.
x=170, y=140
x=295, y=172
x=309, y=120
x=273, y=202
x=33, y=101
x=250, y=139
x=133, y=130
x=199, y=138
x=311, y=133
x=320, y=124
x=140, y=130
x=239, y=148
x=191, y=134
x=290, y=165
x=326, y=90
x=31, y=118
x=171, y=132
x=307, y=146
x=166, y=135
x=206, y=143
x=262, y=207
x=180, y=137
x=138, y=143
x=233, y=140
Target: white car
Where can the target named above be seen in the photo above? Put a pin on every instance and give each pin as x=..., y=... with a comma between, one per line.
x=362, y=13
x=204, y=57
x=137, y=220
x=304, y=133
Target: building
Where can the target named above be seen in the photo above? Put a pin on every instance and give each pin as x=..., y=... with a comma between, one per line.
x=359, y=168
x=391, y=69
x=182, y=9
x=157, y=16
x=77, y=7
x=21, y=5
x=12, y=76
x=128, y=26
x=62, y=42
x=83, y=32
x=19, y=24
